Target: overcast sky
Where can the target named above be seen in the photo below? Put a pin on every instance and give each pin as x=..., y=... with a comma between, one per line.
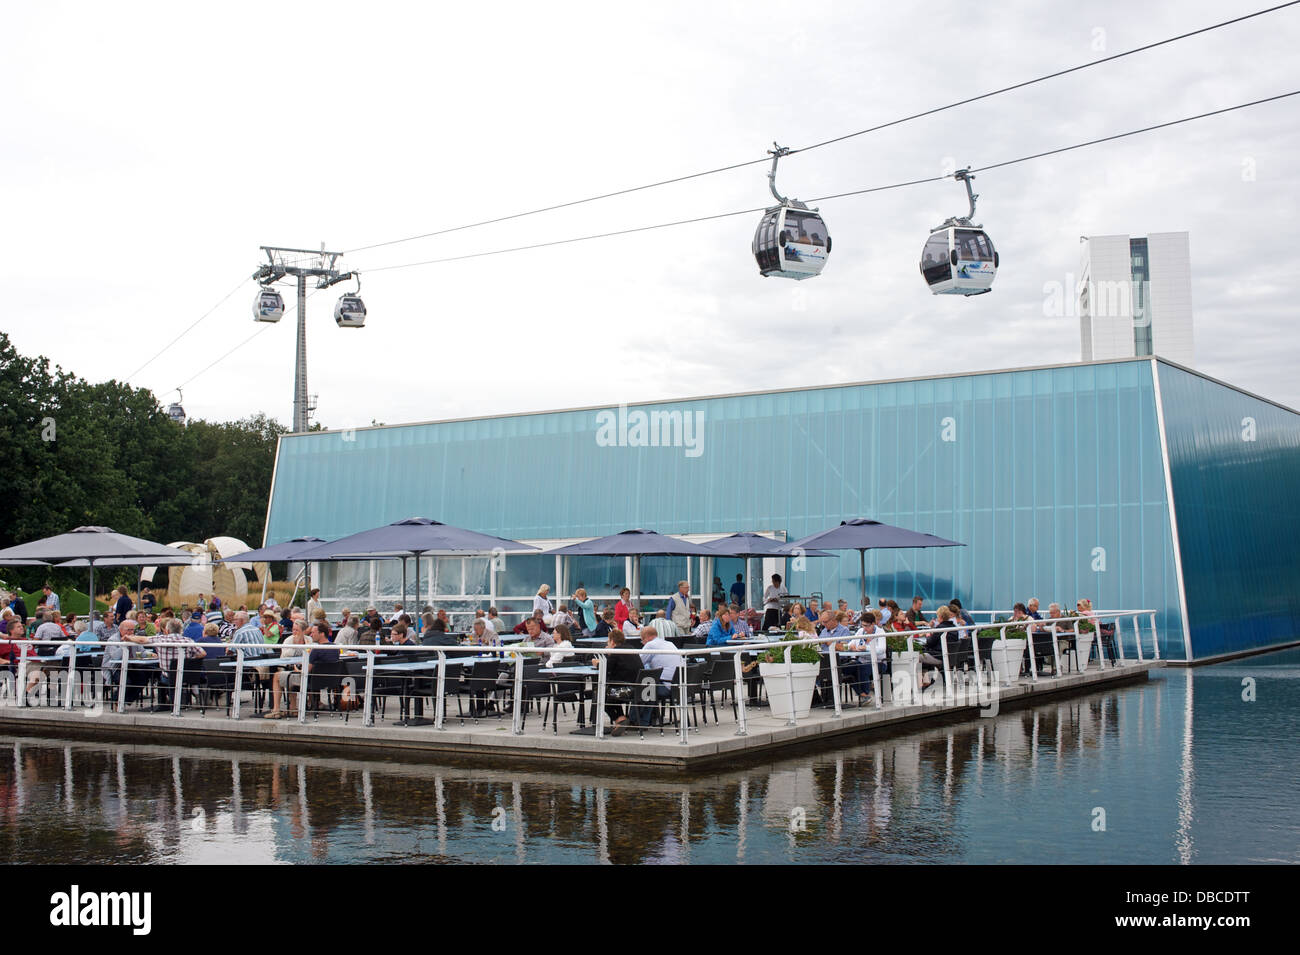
x=149, y=150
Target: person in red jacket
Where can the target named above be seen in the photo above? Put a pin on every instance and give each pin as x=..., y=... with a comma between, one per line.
x=622, y=607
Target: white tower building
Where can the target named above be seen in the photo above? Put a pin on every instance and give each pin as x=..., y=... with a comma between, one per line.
x=1135, y=297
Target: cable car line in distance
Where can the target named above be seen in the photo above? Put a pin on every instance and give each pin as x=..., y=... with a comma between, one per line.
x=188, y=329
x=827, y=142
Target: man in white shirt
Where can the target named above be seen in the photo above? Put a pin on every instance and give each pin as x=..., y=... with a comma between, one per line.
x=869, y=641
x=656, y=654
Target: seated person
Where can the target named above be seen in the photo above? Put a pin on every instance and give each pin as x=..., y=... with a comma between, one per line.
x=721, y=631
x=932, y=655
x=437, y=635
x=561, y=642
x=657, y=654
x=621, y=671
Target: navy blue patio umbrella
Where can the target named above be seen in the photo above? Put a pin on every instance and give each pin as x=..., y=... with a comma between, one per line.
x=747, y=545
x=862, y=535
x=636, y=544
x=414, y=537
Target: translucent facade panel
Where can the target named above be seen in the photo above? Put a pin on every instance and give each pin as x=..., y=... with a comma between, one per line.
x=1235, y=467
x=1052, y=478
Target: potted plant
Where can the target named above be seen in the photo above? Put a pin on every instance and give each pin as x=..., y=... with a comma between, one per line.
x=1087, y=634
x=1007, y=653
x=790, y=689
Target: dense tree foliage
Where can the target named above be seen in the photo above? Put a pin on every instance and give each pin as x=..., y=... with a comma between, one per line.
x=81, y=453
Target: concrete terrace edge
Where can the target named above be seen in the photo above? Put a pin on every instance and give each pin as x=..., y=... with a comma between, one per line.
x=652, y=754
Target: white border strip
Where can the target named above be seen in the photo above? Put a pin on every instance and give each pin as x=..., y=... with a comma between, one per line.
x=1173, y=516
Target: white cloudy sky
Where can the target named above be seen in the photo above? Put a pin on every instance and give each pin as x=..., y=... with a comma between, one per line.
x=148, y=150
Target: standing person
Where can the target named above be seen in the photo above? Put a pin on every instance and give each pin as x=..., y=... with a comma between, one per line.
x=772, y=598
x=719, y=595
x=586, y=610
x=679, y=608
x=123, y=605
x=19, y=606
x=51, y=598
x=313, y=603
x=622, y=607
x=147, y=600
x=738, y=590
x=542, y=602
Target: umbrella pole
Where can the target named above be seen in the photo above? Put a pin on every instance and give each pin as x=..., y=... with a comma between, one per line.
x=862, y=572
x=418, y=616
x=403, y=583
x=92, y=595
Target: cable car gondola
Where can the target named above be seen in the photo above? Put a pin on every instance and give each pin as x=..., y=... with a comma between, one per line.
x=959, y=258
x=175, y=411
x=791, y=241
x=268, y=306
x=350, y=311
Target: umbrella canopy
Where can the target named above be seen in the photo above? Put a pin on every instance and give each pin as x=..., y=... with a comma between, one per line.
x=756, y=545
x=94, y=544
x=289, y=550
x=635, y=543
x=413, y=537
x=863, y=535
x=97, y=546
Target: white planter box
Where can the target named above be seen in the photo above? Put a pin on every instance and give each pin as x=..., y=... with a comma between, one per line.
x=789, y=690
x=1007, y=655
x=1084, y=647
x=905, y=681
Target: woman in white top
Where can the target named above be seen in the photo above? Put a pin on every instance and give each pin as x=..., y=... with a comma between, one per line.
x=562, y=643
x=542, y=601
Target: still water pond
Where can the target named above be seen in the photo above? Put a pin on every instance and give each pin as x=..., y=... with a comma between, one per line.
x=1186, y=768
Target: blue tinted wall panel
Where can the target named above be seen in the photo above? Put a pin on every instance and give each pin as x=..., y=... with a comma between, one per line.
x=1235, y=469
x=1051, y=477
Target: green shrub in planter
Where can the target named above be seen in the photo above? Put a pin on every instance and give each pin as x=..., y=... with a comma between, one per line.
x=805, y=653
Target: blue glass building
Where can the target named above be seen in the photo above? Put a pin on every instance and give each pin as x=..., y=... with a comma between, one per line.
x=1136, y=483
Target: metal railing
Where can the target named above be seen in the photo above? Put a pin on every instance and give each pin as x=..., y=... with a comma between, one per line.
x=514, y=657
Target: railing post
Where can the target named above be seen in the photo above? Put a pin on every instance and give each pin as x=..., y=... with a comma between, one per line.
x=947, y=680
x=1155, y=638
x=876, y=690
x=239, y=680
x=21, y=687
x=1033, y=660
x=1056, y=655
x=682, y=730
x=121, y=678
x=180, y=682
x=789, y=685
x=440, y=704
x=302, y=689
x=602, y=664
x=1137, y=635
x=518, y=708
x=975, y=647
x=835, y=678
x=368, y=714
x=72, y=678
x=737, y=667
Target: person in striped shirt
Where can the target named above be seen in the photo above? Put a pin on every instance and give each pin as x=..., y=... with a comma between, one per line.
x=248, y=634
